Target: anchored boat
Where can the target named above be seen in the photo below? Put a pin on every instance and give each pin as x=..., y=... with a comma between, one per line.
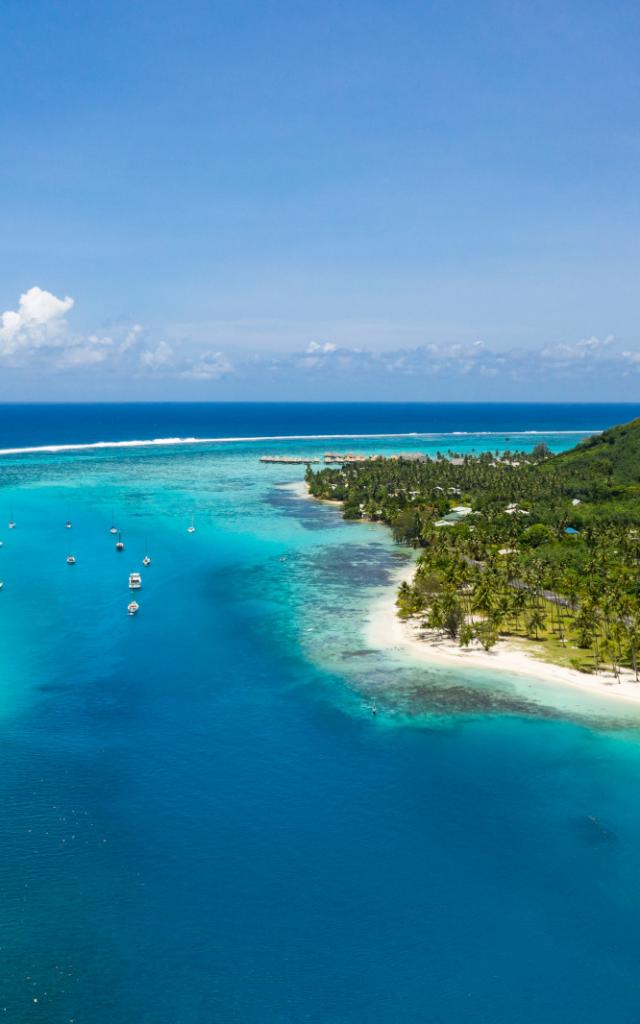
x=132, y=607
x=135, y=581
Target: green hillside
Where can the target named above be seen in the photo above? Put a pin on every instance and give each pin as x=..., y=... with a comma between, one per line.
x=614, y=455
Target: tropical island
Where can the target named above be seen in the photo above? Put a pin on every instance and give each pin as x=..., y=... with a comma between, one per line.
x=538, y=550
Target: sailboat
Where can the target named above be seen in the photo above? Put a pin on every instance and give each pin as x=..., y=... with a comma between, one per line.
x=119, y=543
x=71, y=559
x=113, y=529
x=12, y=524
x=132, y=607
x=191, y=528
x=146, y=560
x=68, y=524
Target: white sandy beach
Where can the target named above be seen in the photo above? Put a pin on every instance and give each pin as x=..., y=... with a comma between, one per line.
x=386, y=629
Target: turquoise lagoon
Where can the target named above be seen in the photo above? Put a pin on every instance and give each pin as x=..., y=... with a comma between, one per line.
x=203, y=822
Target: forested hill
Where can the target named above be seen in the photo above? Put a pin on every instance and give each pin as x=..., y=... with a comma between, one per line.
x=614, y=454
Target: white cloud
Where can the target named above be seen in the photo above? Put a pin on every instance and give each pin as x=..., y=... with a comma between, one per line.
x=321, y=348
x=38, y=322
x=36, y=334
x=95, y=351
x=584, y=349
x=131, y=339
x=156, y=358
x=587, y=359
x=211, y=366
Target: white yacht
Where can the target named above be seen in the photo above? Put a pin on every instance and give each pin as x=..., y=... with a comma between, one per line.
x=135, y=581
x=132, y=607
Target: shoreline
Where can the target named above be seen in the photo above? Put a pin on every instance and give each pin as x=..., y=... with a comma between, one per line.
x=386, y=629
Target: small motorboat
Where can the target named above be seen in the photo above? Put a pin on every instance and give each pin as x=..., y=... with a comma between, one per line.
x=12, y=525
x=68, y=524
x=146, y=561
x=71, y=559
x=113, y=530
x=119, y=543
x=191, y=528
x=132, y=607
x=1, y=584
x=135, y=581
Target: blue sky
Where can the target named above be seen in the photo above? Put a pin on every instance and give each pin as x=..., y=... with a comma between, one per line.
x=304, y=200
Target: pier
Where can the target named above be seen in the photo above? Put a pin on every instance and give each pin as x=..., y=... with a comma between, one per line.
x=290, y=460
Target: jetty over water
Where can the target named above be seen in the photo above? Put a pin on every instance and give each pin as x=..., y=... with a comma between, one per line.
x=290, y=460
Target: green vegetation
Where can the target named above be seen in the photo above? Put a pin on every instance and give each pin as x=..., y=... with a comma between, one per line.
x=529, y=545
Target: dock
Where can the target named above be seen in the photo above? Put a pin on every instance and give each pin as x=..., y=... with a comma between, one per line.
x=290, y=460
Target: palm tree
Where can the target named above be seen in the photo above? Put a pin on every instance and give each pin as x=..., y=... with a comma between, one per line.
x=536, y=621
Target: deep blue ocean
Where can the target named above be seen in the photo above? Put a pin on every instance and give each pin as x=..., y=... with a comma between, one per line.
x=201, y=822
x=26, y=425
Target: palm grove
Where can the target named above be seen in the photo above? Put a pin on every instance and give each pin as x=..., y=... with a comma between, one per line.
x=528, y=545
